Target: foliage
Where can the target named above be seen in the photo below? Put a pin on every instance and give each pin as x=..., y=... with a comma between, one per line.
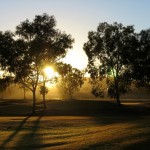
x=71, y=78
x=108, y=49
x=43, y=90
x=5, y=82
x=141, y=60
x=7, y=48
x=123, y=88
x=97, y=87
x=39, y=43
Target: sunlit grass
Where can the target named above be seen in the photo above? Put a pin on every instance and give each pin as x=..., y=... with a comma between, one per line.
x=72, y=132
x=112, y=128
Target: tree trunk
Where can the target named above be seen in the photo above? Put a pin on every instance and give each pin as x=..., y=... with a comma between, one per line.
x=24, y=92
x=34, y=102
x=44, y=101
x=117, y=96
x=71, y=97
x=70, y=94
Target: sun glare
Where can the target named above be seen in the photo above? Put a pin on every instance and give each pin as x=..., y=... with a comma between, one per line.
x=1, y=73
x=49, y=72
x=76, y=59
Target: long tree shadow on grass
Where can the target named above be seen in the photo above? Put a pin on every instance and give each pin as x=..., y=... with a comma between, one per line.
x=33, y=139
x=103, y=112
x=14, y=134
x=30, y=137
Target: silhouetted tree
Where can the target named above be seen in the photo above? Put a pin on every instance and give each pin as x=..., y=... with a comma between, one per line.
x=7, y=49
x=107, y=50
x=25, y=89
x=5, y=82
x=141, y=60
x=39, y=43
x=6, y=52
x=43, y=91
x=71, y=78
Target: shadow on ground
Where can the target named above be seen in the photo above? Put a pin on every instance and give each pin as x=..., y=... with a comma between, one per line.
x=99, y=113
x=71, y=108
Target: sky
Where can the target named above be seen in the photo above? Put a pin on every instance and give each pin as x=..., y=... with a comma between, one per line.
x=77, y=17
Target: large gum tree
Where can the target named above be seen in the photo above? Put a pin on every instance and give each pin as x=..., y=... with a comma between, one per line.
x=141, y=60
x=108, y=49
x=40, y=43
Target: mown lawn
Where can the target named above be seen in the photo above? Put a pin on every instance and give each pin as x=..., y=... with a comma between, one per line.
x=75, y=125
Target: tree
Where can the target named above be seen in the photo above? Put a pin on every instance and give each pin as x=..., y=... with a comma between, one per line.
x=39, y=43
x=140, y=62
x=47, y=77
x=43, y=91
x=6, y=49
x=107, y=50
x=71, y=78
x=5, y=83
x=25, y=89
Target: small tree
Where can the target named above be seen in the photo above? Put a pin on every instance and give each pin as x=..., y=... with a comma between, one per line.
x=25, y=89
x=108, y=49
x=46, y=79
x=5, y=83
x=43, y=92
x=71, y=79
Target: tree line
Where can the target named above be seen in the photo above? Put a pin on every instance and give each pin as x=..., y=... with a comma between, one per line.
x=116, y=53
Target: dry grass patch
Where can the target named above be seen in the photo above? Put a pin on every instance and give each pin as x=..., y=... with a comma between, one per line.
x=74, y=125
x=64, y=132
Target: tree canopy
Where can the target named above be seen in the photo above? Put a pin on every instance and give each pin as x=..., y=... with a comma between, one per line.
x=71, y=78
x=107, y=50
x=141, y=60
x=38, y=43
x=116, y=54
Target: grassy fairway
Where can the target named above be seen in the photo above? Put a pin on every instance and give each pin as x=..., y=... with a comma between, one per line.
x=75, y=125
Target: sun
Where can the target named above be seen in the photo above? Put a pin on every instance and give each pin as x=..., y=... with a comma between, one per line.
x=49, y=72
x=50, y=76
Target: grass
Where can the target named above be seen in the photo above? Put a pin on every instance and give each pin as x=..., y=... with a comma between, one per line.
x=75, y=125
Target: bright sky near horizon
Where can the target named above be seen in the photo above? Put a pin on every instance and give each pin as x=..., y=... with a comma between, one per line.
x=76, y=17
